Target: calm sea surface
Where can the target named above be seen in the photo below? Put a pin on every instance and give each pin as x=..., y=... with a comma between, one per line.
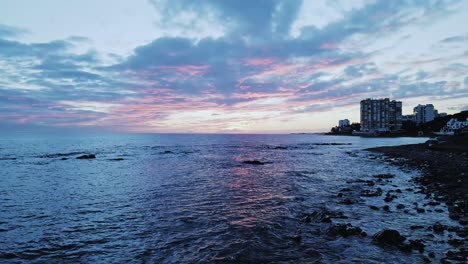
x=191, y=199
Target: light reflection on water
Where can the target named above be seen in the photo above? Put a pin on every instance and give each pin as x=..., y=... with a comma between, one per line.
x=196, y=203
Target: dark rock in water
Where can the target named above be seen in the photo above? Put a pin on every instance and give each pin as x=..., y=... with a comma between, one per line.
x=58, y=155
x=280, y=147
x=345, y=231
x=64, y=158
x=369, y=193
x=455, y=242
x=420, y=210
x=168, y=152
x=307, y=219
x=400, y=206
x=389, y=237
x=253, y=162
x=458, y=256
x=454, y=216
x=339, y=195
x=118, y=159
x=345, y=190
x=90, y=156
x=373, y=207
x=386, y=208
x=414, y=244
x=347, y=201
x=439, y=228
x=384, y=176
x=414, y=227
x=297, y=237
x=7, y=158
x=331, y=144
x=431, y=255
x=323, y=216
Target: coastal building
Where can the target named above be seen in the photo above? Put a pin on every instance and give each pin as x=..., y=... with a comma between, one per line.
x=380, y=115
x=424, y=113
x=343, y=123
x=408, y=118
x=452, y=126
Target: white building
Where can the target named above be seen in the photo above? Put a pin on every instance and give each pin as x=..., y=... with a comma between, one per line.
x=424, y=113
x=453, y=125
x=343, y=123
x=380, y=115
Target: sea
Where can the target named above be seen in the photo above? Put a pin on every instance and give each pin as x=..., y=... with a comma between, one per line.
x=204, y=198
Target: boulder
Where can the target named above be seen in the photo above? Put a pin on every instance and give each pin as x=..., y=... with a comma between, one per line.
x=389, y=237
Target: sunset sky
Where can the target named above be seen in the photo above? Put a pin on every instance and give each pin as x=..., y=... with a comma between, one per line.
x=224, y=66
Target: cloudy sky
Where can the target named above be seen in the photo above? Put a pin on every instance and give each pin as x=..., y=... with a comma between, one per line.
x=225, y=66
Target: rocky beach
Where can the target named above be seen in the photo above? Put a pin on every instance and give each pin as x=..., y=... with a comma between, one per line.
x=443, y=178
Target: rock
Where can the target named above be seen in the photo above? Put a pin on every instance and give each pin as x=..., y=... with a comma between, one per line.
x=417, y=244
x=389, y=237
x=420, y=210
x=280, y=147
x=454, y=215
x=345, y=190
x=384, y=176
x=253, y=162
x=439, y=228
x=414, y=227
x=307, y=219
x=347, y=201
x=118, y=159
x=345, y=230
x=431, y=255
x=168, y=152
x=63, y=158
x=90, y=156
x=400, y=206
x=455, y=242
x=369, y=193
x=386, y=208
x=373, y=207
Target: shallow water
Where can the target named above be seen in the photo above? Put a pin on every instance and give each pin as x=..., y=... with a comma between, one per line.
x=190, y=198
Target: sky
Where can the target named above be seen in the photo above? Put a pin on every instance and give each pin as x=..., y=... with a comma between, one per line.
x=224, y=66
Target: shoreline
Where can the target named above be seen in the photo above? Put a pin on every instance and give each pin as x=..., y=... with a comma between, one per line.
x=444, y=172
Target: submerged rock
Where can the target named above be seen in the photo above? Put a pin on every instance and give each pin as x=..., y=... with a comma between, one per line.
x=389, y=237
x=414, y=244
x=345, y=230
x=253, y=162
x=90, y=156
x=384, y=176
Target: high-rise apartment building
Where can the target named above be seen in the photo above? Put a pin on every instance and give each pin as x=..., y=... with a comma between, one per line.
x=380, y=115
x=424, y=113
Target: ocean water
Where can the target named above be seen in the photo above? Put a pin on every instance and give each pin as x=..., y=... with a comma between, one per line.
x=191, y=199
